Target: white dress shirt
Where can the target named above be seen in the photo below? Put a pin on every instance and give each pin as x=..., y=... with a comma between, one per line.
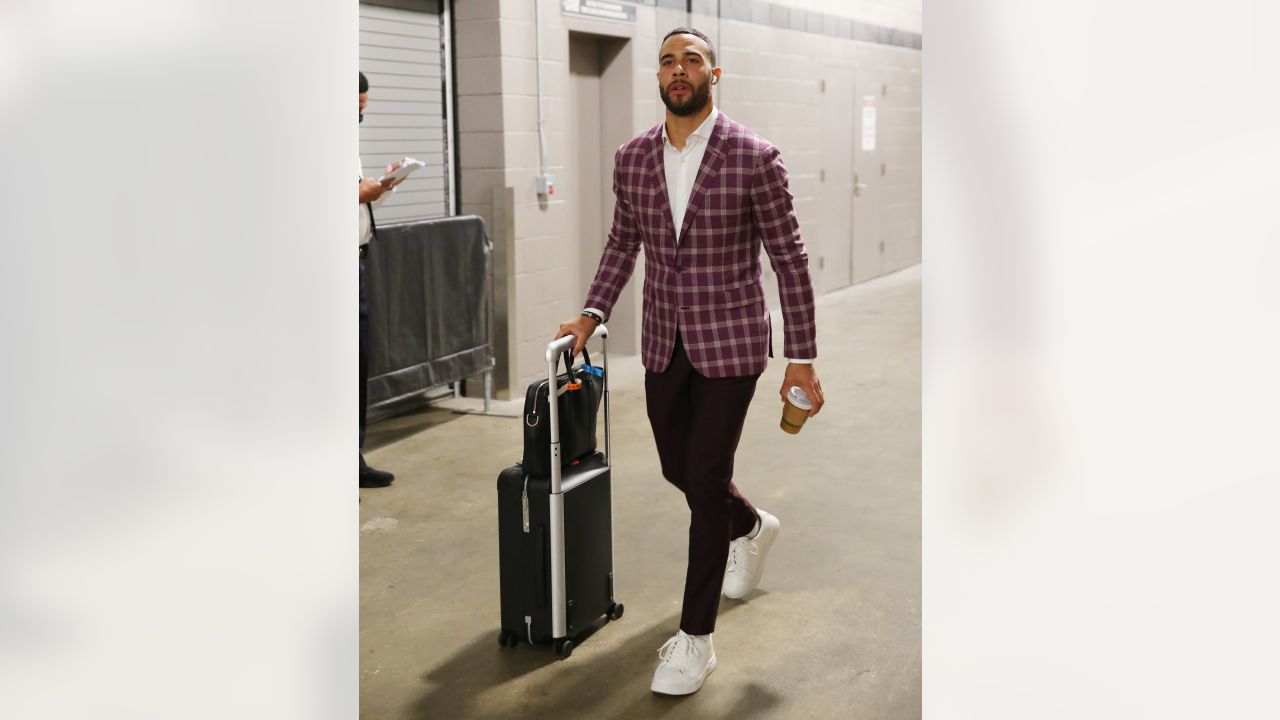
x=682, y=168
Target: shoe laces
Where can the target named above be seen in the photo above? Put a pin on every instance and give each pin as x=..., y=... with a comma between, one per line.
x=680, y=644
x=742, y=547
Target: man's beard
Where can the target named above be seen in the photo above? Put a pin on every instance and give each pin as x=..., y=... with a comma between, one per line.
x=698, y=98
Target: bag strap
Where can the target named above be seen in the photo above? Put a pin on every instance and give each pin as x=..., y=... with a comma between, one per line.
x=568, y=363
x=568, y=367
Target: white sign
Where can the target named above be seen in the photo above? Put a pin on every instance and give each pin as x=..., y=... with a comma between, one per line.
x=869, y=122
x=600, y=9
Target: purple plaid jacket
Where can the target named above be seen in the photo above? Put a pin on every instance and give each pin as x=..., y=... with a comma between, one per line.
x=709, y=285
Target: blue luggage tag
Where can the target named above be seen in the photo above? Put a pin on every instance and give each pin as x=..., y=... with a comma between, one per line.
x=598, y=372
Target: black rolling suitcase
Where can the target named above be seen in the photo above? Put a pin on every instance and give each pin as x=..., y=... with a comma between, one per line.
x=555, y=537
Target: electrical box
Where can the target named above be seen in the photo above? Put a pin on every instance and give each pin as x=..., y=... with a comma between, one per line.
x=546, y=185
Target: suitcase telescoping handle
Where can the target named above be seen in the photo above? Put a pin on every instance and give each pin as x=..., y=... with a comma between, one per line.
x=559, y=606
x=555, y=349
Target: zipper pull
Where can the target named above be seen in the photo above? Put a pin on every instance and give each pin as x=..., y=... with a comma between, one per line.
x=524, y=503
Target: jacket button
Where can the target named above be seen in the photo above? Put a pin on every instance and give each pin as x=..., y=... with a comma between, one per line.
x=684, y=307
x=679, y=268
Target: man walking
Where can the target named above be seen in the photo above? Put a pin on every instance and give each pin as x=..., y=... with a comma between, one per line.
x=701, y=194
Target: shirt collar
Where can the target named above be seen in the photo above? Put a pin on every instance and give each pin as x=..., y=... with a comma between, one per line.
x=702, y=133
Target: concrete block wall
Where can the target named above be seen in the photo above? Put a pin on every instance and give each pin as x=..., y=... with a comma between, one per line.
x=900, y=136
x=497, y=84
x=772, y=82
x=901, y=14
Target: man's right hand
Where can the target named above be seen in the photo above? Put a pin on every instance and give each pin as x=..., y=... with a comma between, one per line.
x=370, y=190
x=581, y=328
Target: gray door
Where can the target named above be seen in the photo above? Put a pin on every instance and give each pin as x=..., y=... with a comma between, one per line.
x=588, y=178
x=830, y=260
x=868, y=246
x=402, y=54
x=600, y=105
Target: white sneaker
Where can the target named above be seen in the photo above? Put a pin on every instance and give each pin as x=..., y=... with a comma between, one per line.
x=746, y=558
x=686, y=662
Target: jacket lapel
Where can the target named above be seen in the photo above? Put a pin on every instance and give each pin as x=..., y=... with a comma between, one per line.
x=712, y=161
x=659, y=169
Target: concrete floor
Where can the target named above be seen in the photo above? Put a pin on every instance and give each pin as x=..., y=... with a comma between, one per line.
x=833, y=631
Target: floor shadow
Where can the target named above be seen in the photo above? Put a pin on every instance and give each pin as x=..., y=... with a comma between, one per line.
x=756, y=702
x=583, y=686
x=389, y=430
x=726, y=603
x=482, y=664
x=588, y=684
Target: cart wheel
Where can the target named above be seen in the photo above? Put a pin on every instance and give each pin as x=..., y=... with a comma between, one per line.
x=615, y=611
x=506, y=639
x=564, y=648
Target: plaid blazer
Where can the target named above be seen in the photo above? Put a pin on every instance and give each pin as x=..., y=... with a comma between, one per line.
x=709, y=284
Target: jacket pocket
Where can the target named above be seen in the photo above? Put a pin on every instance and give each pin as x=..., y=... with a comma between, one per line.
x=734, y=297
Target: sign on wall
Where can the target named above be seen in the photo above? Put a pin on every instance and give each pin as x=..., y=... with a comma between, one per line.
x=600, y=9
x=869, y=122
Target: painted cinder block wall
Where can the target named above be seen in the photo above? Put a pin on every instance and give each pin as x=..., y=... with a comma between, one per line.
x=779, y=58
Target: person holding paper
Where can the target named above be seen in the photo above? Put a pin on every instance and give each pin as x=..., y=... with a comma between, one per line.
x=372, y=193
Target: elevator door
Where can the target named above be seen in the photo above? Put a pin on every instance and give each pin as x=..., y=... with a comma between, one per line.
x=600, y=111
x=586, y=177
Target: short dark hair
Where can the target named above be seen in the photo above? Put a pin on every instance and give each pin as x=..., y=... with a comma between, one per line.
x=364, y=83
x=696, y=33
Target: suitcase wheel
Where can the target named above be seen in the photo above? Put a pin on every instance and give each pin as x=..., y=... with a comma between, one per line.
x=615, y=611
x=508, y=639
x=564, y=648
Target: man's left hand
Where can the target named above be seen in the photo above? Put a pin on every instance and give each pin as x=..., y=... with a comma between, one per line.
x=390, y=169
x=803, y=376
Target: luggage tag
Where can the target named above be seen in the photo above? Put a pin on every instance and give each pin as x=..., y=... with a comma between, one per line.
x=590, y=369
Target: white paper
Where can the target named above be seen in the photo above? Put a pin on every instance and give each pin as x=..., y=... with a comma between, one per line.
x=408, y=165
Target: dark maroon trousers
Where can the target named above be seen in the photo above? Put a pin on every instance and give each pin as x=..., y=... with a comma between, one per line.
x=697, y=422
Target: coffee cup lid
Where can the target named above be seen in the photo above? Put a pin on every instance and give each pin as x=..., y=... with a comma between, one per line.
x=799, y=398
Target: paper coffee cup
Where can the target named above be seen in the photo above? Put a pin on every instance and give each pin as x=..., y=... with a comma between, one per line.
x=795, y=410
